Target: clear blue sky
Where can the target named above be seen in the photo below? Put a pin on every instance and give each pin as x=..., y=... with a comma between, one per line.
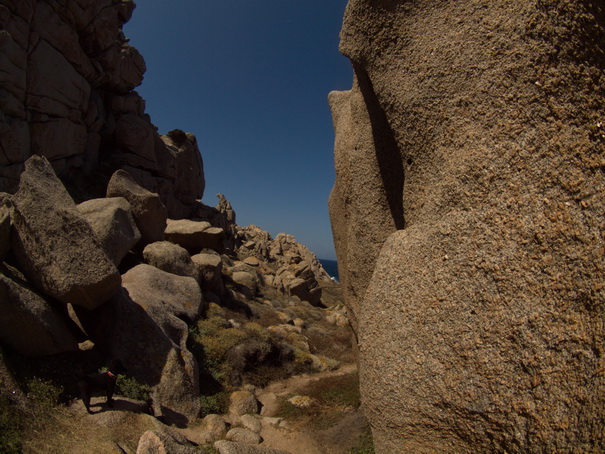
x=250, y=79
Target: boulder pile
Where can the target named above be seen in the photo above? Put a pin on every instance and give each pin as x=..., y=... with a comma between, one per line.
x=117, y=272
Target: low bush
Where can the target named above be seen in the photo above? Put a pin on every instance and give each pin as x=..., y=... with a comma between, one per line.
x=11, y=422
x=228, y=356
x=214, y=404
x=133, y=389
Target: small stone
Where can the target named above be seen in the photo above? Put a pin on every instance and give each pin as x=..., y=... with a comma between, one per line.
x=252, y=261
x=243, y=402
x=251, y=422
x=242, y=435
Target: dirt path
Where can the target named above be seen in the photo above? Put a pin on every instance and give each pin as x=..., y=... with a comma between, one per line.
x=327, y=430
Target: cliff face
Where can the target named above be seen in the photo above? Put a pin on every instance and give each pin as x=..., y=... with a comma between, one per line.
x=66, y=93
x=468, y=215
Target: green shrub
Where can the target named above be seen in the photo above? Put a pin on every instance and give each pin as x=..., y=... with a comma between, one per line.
x=43, y=394
x=341, y=390
x=214, y=404
x=227, y=355
x=131, y=388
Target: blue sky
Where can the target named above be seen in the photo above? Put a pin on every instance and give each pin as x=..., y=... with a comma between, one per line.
x=251, y=80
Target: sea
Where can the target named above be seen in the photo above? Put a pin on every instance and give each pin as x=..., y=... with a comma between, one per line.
x=331, y=267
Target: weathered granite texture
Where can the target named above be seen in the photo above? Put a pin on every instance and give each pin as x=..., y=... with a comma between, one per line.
x=66, y=93
x=468, y=215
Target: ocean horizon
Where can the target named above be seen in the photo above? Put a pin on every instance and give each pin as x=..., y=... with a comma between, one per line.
x=331, y=267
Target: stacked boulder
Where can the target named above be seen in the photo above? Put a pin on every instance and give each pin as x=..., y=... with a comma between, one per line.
x=62, y=259
x=67, y=95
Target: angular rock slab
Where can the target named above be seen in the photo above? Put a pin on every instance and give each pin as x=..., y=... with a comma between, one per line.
x=29, y=325
x=195, y=235
x=171, y=258
x=113, y=223
x=148, y=210
x=160, y=292
x=54, y=245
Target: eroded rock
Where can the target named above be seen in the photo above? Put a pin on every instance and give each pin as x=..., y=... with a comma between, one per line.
x=160, y=291
x=195, y=235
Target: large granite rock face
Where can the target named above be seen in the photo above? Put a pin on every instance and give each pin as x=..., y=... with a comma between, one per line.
x=53, y=243
x=67, y=94
x=468, y=214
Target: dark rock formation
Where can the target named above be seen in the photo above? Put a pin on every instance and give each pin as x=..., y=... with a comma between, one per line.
x=153, y=344
x=468, y=218
x=67, y=94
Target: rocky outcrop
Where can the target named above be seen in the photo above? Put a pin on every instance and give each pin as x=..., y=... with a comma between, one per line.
x=54, y=245
x=67, y=94
x=231, y=447
x=132, y=330
x=113, y=223
x=466, y=215
x=296, y=270
x=152, y=442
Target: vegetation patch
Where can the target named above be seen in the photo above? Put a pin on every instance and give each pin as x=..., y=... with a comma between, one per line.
x=333, y=397
x=11, y=422
x=133, y=389
x=215, y=404
x=365, y=443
